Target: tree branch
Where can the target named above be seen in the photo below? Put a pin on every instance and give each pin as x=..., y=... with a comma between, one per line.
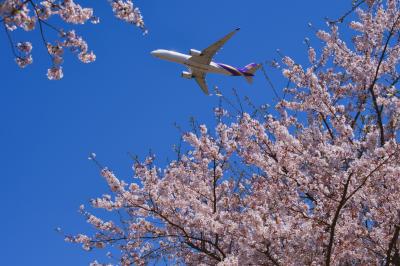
x=327, y=126
x=334, y=221
x=341, y=19
x=392, y=245
x=378, y=110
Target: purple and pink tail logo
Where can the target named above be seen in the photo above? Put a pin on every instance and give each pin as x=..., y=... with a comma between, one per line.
x=250, y=69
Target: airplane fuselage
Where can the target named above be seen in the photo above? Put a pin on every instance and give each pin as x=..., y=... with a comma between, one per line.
x=184, y=59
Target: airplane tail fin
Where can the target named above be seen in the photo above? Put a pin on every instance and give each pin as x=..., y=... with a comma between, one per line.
x=249, y=70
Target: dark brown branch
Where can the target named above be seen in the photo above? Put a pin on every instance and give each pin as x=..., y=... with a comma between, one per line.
x=270, y=257
x=238, y=101
x=188, y=237
x=342, y=203
x=392, y=245
x=360, y=107
x=205, y=251
x=270, y=82
x=40, y=28
x=341, y=19
x=10, y=41
x=185, y=234
x=214, y=188
x=369, y=175
x=378, y=110
x=215, y=179
x=327, y=126
x=334, y=221
x=308, y=217
x=53, y=27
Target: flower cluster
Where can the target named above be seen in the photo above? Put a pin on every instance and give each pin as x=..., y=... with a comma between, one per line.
x=315, y=184
x=26, y=15
x=25, y=57
x=126, y=11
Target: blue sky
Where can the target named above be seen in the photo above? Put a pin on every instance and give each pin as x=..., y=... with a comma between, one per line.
x=127, y=101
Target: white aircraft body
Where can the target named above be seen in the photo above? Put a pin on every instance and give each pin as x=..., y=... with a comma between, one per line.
x=200, y=63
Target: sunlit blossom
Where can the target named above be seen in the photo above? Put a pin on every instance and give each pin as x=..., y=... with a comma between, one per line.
x=315, y=182
x=26, y=15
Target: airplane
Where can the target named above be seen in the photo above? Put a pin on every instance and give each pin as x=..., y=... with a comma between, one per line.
x=200, y=63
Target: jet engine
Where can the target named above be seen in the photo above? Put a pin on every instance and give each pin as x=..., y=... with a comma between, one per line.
x=186, y=75
x=194, y=52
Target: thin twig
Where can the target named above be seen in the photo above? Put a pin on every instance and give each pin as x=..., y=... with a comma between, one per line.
x=341, y=19
x=270, y=82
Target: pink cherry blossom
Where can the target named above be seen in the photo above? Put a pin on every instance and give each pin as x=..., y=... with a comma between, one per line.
x=55, y=73
x=25, y=47
x=22, y=62
x=313, y=182
x=74, y=13
x=125, y=10
x=28, y=15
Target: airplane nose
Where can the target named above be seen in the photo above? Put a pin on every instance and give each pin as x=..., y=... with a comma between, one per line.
x=155, y=53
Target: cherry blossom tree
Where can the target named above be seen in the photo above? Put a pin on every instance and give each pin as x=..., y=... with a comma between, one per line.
x=316, y=181
x=27, y=15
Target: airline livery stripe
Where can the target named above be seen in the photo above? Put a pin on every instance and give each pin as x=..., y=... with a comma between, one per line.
x=232, y=70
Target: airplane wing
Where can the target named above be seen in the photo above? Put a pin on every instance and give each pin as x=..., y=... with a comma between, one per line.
x=200, y=78
x=207, y=54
